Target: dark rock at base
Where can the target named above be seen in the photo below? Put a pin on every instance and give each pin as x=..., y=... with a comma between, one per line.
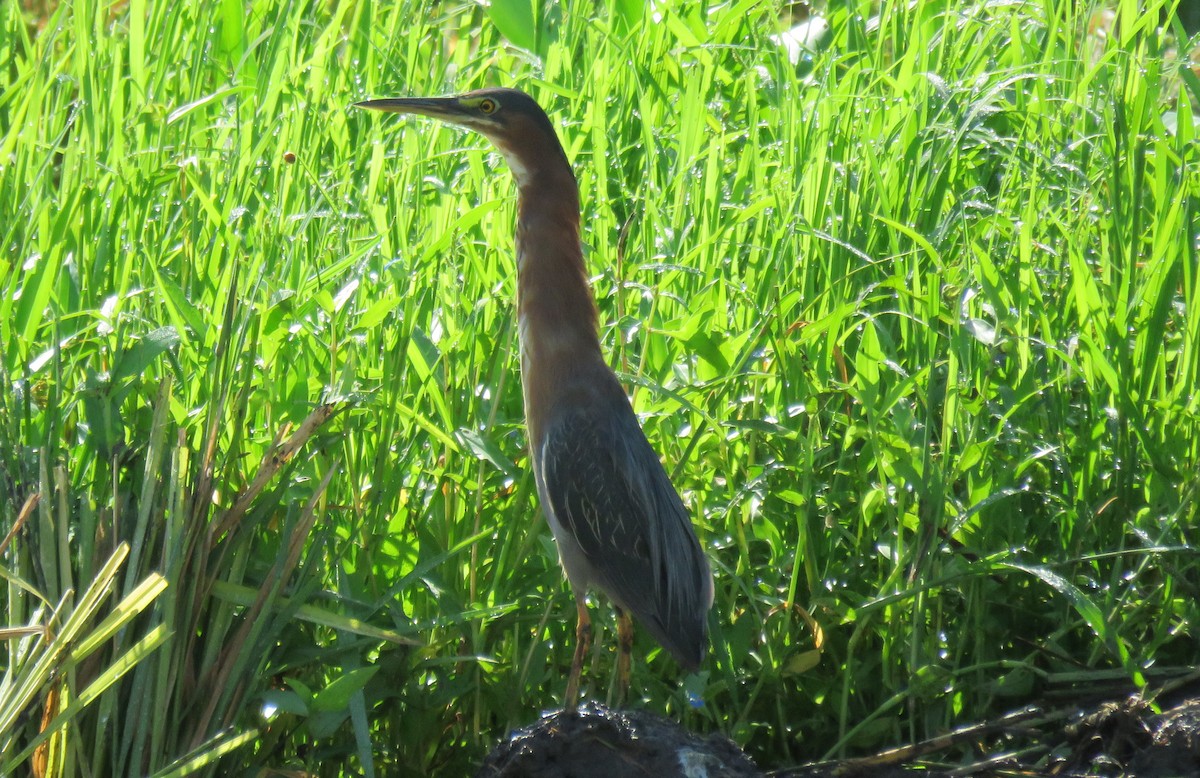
x=596, y=741
x=1175, y=744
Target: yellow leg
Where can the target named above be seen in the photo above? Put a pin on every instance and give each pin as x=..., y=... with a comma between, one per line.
x=583, y=643
x=624, y=653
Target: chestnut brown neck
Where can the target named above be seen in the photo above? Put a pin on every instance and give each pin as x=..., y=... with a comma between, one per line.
x=556, y=313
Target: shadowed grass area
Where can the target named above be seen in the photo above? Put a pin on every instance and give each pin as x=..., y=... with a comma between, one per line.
x=914, y=325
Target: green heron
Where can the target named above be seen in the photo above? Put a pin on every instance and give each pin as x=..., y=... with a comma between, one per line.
x=619, y=523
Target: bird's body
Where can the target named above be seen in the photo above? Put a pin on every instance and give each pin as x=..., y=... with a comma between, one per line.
x=619, y=524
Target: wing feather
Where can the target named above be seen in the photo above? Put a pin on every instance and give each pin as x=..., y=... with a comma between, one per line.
x=608, y=489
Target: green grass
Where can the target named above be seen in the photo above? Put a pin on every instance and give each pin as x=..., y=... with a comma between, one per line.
x=916, y=330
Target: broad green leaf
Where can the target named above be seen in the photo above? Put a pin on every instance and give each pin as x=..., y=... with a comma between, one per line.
x=378, y=311
x=336, y=696
x=136, y=358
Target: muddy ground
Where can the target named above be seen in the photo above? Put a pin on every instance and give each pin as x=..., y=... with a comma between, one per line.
x=1125, y=737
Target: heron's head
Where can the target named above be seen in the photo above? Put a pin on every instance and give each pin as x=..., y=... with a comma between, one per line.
x=509, y=118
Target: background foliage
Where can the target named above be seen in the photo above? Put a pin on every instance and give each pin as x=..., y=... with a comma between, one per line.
x=913, y=320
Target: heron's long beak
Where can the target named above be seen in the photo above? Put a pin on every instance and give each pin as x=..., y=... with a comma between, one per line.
x=447, y=109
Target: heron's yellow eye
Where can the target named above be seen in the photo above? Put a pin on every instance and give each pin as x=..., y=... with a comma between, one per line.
x=488, y=105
